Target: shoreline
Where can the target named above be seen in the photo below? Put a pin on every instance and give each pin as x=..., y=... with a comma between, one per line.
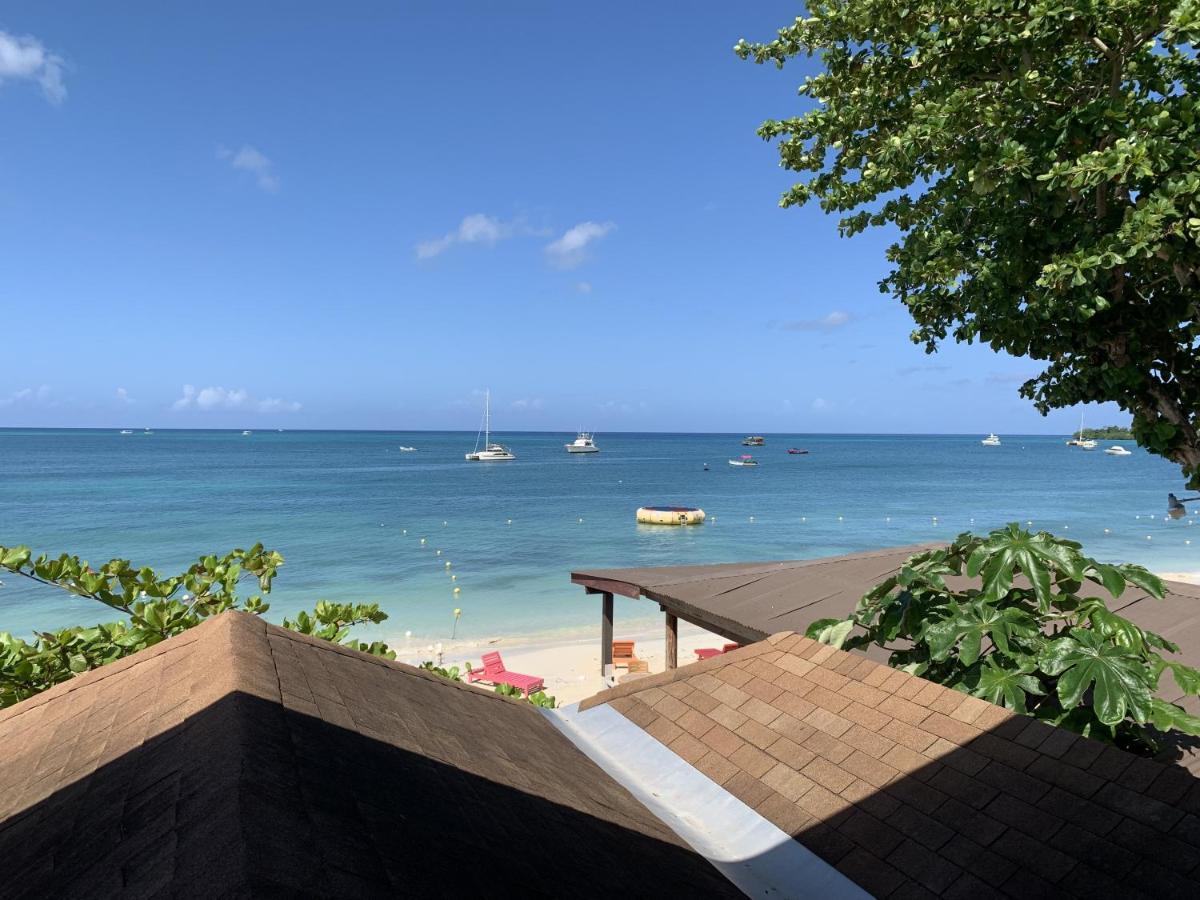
x=569, y=659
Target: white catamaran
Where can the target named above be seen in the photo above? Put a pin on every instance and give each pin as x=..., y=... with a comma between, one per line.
x=490, y=452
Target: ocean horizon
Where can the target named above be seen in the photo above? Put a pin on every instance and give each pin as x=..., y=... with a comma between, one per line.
x=348, y=509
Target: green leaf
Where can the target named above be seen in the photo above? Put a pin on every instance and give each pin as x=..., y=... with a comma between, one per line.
x=970, y=624
x=1120, y=681
x=1007, y=683
x=830, y=631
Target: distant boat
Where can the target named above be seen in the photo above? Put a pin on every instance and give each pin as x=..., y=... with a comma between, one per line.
x=583, y=443
x=491, y=452
x=796, y=451
x=1088, y=444
x=754, y=440
x=147, y=431
x=991, y=441
x=408, y=449
x=745, y=460
x=1078, y=439
x=1118, y=450
x=247, y=432
x=126, y=431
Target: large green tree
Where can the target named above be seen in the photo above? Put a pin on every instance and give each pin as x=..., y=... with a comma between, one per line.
x=1040, y=161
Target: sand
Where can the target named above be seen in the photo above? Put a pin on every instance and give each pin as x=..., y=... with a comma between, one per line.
x=571, y=668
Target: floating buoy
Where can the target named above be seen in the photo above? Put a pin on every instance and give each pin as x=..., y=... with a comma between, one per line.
x=1137, y=517
x=1029, y=521
x=458, y=590
x=444, y=524
x=1106, y=531
x=1148, y=537
x=804, y=518
x=1187, y=542
x=669, y=515
x=422, y=540
x=404, y=531
x=839, y=518
x=447, y=564
x=454, y=578
x=581, y=520
x=439, y=552
x=510, y=521
x=887, y=518
x=407, y=635
x=752, y=518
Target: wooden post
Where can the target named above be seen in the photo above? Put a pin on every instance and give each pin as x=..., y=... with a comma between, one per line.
x=672, y=641
x=606, y=635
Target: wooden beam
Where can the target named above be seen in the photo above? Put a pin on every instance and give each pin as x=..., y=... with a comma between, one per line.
x=672, y=641
x=606, y=635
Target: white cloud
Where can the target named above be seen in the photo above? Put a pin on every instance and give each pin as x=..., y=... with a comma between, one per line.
x=210, y=398
x=250, y=159
x=584, y=287
x=29, y=396
x=1007, y=378
x=27, y=59
x=123, y=396
x=929, y=367
x=570, y=250
x=527, y=403
x=835, y=319
x=477, y=228
x=821, y=403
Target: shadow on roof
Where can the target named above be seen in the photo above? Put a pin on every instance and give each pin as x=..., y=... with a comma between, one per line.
x=246, y=796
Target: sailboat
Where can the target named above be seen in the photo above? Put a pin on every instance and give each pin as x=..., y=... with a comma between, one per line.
x=491, y=452
x=1079, y=440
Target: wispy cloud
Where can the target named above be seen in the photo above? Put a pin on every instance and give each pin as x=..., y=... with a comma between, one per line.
x=829, y=322
x=570, y=249
x=820, y=404
x=25, y=58
x=928, y=367
x=1007, y=378
x=527, y=403
x=477, y=228
x=30, y=396
x=252, y=160
x=123, y=396
x=216, y=398
x=584, y=287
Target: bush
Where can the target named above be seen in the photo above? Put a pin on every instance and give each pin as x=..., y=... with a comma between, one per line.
x=154, y=609
x=1023, y=630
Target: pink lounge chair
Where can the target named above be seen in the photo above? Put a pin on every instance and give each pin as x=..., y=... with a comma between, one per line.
x=710, y=652
x=493, y=672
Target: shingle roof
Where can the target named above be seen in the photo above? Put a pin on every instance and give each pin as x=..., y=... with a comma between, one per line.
x=240, y=758
x=910, y=788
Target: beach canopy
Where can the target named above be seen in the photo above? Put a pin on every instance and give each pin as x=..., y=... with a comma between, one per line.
x=747, y=602
x=241, y=759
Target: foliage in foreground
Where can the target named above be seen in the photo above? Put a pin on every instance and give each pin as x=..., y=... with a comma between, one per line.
x=1011, y=618
x=154, y=609
x=1040, y=161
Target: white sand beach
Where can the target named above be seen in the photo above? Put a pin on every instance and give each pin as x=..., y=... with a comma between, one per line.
x=571, y=668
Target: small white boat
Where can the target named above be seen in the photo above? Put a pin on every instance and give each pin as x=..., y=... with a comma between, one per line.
x=744, y=460
x=1087, y=444
x=991, y=441
x=1118, y=450
x=126, y=431
x=584, y=443
x=247, y=432
x=408, y=449
x=491, y=452
x=147, y=431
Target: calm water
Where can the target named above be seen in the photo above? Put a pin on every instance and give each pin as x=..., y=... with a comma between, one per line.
x=348, y=510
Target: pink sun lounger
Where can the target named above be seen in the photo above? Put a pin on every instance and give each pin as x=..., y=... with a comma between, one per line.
x=493, y=671
x=710, y=652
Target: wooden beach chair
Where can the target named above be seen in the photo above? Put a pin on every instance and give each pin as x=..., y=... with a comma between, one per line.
x=493, y=672
x=623, y=655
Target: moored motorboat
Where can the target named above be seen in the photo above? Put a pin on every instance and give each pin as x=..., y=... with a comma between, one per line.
x=753, y=440
x=1086, y=444
x=583, y=443
x=991, y=441
x=796, y=451
x=408, y=449
x=1118, y=450
x=744, y=460
x=126, y=431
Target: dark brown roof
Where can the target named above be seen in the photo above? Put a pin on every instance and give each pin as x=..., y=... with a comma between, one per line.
x=240, y=758
x=913, y=789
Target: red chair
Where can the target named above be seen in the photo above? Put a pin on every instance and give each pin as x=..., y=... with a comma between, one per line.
x=710, y=652
x=493, y=672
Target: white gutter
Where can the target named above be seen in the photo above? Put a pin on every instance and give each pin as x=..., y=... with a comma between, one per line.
x=759, y=858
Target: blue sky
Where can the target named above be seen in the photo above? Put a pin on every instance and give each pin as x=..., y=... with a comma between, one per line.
x=363, y=214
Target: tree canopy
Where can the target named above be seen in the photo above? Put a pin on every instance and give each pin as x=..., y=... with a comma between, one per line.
x=1040, y=160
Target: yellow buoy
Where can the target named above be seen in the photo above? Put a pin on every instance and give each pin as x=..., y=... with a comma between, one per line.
x=458, y=590
x=422, y=540
x=669, y=515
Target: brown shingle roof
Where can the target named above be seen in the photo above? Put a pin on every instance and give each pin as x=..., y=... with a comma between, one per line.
x=909, y=787
x=240, y=758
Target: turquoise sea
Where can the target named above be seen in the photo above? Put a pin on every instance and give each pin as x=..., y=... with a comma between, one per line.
x=348, y=510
